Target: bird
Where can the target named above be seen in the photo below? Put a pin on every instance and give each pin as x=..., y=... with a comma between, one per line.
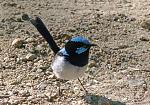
x=69, y=62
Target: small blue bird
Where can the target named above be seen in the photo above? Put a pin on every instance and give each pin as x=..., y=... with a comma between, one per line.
x=71, y=61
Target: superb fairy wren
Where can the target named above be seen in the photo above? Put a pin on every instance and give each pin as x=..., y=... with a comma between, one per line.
x=71, y=61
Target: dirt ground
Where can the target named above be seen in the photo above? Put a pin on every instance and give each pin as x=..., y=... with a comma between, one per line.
x=119, y=69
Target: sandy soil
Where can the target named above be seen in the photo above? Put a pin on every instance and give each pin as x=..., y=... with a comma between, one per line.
x=118, y=71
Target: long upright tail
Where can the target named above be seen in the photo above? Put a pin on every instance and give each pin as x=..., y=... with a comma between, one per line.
x=40, y=26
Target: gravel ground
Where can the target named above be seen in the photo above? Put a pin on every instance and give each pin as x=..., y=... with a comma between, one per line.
x=119, y=69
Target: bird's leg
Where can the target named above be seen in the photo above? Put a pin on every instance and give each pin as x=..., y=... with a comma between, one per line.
x=59, y=89
x=82, y=86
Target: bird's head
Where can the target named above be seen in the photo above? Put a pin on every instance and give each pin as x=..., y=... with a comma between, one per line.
x=78, y=45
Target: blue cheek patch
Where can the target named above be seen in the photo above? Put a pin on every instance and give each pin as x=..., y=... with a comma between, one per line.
x=81, y=50
x=63, y=50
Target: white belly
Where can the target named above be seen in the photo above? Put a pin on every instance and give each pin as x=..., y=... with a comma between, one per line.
x=65, y=70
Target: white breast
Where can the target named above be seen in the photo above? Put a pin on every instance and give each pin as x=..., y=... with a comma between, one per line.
x=65, y=70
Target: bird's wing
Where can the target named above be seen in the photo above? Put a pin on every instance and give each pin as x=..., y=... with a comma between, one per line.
x=40, y=26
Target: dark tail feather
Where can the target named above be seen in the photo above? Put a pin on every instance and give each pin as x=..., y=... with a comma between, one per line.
x=37, y=22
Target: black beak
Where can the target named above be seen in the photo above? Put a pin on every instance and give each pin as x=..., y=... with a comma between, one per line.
x=93, y=44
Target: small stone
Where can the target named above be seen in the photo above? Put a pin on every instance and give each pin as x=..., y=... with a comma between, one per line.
x=17, y=43
x=29, y=40
x=146, y=24
x=21, y=59
x=39, y=70
x=76, y=89
x=136, y=83
x=30, y=57
x=51, y=96
x=30, y=98
x=48, y=96
x=10, y=93
x=52, y=76
x=15, y=82
x=72, y=30
x=15, y=100
x=92, y=63
x=42, y=86
x=24, y=93
x=123, y=46
x=30, y=48
x=19, y=19
x=39, y=47
x=6, y=59
x=15, y=92
x=29, y=84
x=41, y=95
x=48, y=72
x=4, y=96
x=80, y=102
x=144, y=38
x=40, y=65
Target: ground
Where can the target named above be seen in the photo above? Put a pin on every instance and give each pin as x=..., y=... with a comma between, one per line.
x=119, y=68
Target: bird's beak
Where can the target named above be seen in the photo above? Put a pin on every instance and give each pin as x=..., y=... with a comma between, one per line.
x=93, y=44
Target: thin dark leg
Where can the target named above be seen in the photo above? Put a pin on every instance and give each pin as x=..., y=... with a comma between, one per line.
x=59, y=89
x=82, y=86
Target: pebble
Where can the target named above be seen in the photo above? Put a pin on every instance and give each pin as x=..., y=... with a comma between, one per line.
x=29, y=84
x=51, y=96
x=144, y=38
x=40, y=65
x=92, y=63
x=24, y=93
x=15, y=82
x=18, y=19
x=42, y=95
x=30, y=48
x=29, y=40
x=48, y=72
x=92, y=70
x=39, y=47
x=30, y=57
x=80, y=102
x=30, y=98
x=52, y=76
x=10, y=93
x=146, y=24
x=42, y=86
x=136, y=82
x=4, y=96
x=15, y=100
x=71, y=30
x=18, y=42
x=39, y=70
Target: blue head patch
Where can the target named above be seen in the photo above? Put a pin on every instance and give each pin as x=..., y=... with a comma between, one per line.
x=81, y=50
x=80, y=39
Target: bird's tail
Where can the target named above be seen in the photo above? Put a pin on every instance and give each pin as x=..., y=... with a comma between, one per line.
x=40, y=26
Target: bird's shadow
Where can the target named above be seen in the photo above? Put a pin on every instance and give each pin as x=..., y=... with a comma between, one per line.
x=100, y=100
